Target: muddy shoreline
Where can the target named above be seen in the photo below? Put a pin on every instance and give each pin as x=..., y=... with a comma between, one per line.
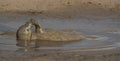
x=63, y=9
x=60, y=55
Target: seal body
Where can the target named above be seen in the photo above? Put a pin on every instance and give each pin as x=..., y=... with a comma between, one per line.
x=57, y=35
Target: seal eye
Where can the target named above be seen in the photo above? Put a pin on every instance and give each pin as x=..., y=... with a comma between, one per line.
x=27, y=29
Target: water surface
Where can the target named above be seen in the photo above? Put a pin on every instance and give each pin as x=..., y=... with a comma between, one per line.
x=107, y=31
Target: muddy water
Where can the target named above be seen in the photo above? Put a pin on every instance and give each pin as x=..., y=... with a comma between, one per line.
x=105, y=30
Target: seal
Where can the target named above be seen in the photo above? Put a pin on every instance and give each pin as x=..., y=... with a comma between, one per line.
x=38, y=28
x=53, y=35
x=24, y=34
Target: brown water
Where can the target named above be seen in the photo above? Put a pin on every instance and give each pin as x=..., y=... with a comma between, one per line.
x=106, y=29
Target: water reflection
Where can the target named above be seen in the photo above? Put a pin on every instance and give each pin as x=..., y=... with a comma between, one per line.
x=28, y=50
x=40, y=43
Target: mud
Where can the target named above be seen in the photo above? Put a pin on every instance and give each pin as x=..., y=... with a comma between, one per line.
x=58, y=55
